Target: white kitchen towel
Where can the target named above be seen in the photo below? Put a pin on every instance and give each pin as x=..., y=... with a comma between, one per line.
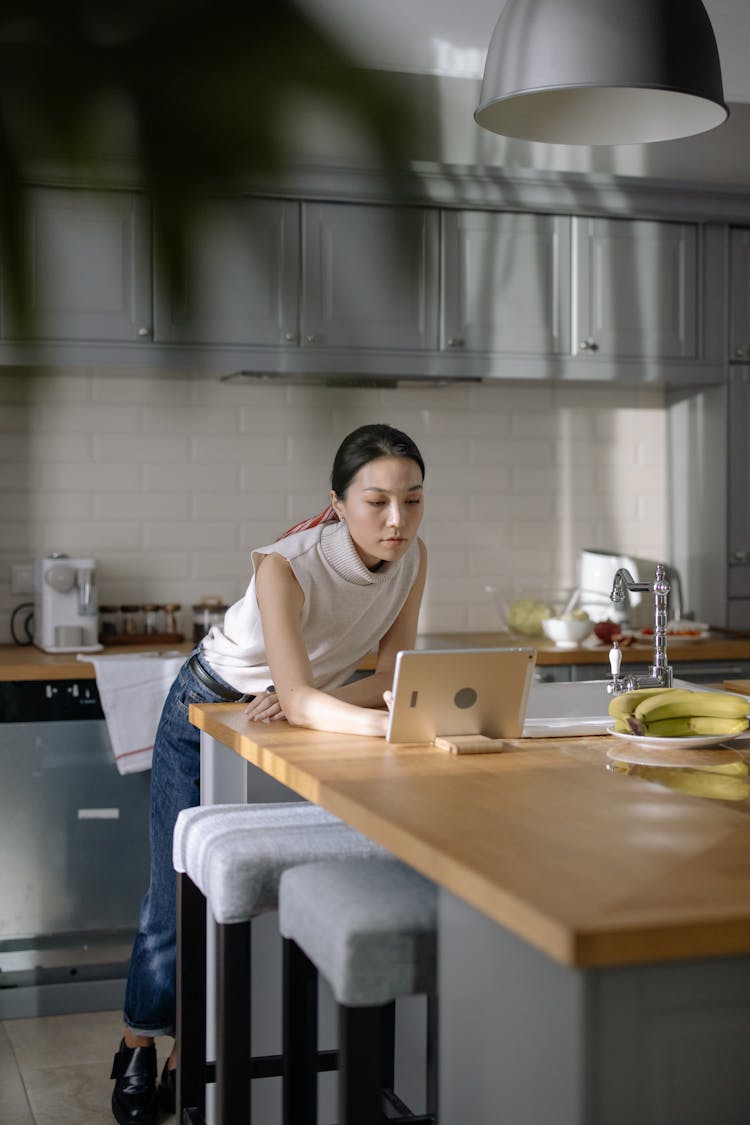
x=132, y=690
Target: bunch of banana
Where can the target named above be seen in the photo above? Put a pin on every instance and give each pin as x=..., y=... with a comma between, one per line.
x=674, y=713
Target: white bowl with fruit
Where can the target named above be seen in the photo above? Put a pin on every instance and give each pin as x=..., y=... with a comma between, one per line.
x=568, y=630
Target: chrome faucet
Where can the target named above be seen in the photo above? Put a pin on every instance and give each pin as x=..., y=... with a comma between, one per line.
x=659, y=673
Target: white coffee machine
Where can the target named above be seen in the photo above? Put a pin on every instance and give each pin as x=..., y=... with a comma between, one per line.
x=66, y=610
x=596, y=572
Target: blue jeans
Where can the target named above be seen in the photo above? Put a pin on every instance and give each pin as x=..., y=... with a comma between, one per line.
x=175, y=785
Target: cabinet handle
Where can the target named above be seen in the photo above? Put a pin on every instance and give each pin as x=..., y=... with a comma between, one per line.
x=741, y=556
x=588, y=346
x=144, y=331
x=314, y=338
x=739, y=353
x=455, y=341
x=290, y=337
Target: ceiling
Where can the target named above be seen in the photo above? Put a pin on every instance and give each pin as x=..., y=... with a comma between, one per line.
x=450, y=37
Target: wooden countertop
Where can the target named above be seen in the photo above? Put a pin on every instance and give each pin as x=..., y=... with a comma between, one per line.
x=713, y=647
x=26, y=662
x=29, y=663
x=592, y=867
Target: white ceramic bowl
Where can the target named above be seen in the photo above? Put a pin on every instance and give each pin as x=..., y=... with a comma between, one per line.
x=567, y=632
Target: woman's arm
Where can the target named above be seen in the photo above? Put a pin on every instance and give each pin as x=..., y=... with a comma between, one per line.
x=368, y=692
x=280, y=601
x=355, y=708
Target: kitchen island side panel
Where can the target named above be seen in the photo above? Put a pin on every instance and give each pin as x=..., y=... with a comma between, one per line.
x=526, y=1040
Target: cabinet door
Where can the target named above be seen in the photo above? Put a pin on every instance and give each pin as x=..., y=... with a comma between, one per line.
x=739, y=295
x=242, y=277
x=369, y=277
x=506, y=282
x=739, y=481
x=634, y=289
x=89, y=255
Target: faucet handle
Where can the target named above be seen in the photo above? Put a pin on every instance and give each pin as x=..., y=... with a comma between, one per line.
x=615, y=659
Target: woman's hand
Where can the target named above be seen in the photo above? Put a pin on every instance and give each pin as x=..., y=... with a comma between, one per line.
x=264, y=707
x=388, y=697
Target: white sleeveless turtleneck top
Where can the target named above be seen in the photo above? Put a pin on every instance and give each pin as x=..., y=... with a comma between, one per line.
x=347, y=609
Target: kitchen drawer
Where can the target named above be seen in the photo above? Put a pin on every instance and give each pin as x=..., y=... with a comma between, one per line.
x=739, y=583
x=739, y=613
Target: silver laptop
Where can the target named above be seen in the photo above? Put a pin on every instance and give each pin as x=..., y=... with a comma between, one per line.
x=460, y=691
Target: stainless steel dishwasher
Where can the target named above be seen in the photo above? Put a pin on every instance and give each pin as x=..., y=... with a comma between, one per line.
x=73, y=852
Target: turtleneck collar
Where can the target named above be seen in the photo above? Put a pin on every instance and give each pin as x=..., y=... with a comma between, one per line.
x=338, y=549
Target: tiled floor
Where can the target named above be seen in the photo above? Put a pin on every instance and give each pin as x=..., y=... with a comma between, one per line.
x=55, y=1070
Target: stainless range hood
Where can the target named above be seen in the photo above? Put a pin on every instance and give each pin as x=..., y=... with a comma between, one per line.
x=388, y=382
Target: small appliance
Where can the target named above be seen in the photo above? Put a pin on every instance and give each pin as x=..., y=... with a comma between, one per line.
x=596, y=572
x=66, y=612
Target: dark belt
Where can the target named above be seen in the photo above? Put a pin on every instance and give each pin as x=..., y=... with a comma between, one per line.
x=223, y=692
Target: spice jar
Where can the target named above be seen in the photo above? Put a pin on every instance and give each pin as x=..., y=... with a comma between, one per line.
x=209, y=611
x=170, y=617
x=151, y=619
x=109, y=622
x=131, y=619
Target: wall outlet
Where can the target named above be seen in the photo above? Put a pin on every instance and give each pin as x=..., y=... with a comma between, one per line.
x=22, y=579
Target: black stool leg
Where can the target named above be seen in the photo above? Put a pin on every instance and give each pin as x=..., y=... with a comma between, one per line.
x=233, y=1024
x=360, y=1066
x=300, y=1085
x=386, y=1028
x=190, y=1030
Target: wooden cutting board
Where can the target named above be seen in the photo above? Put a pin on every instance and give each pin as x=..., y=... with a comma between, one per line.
x=675, y=757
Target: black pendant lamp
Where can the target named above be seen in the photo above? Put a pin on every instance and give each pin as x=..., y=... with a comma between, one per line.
x=602, y=72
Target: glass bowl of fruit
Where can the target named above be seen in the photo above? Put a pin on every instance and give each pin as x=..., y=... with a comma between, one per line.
x=523, y=610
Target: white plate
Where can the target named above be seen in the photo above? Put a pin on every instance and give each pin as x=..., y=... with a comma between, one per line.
x=675, y=632
x=692, y=742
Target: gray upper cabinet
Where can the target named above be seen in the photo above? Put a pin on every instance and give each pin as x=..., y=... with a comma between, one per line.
x=635, y=291
x=242, y=280
x=90, y=267
x=739, y=295
x=506, y=282
x=369, y=277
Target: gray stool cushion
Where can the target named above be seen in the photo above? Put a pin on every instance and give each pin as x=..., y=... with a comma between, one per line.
x=236, y=854
x=368, y=925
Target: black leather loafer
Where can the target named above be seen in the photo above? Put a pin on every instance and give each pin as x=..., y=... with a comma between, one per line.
x=134, y=1099
x=167, y=1092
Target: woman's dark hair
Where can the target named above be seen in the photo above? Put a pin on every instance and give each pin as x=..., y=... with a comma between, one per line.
x=366, y=444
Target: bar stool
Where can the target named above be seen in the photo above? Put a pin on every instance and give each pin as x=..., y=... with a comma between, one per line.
x=369, y=927
x=231, y=858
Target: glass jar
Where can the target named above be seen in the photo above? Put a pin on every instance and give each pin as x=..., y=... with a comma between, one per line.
x=209, y=611
x=151, y=619
x=171, y=624
x=110, y=622
x=132, y=620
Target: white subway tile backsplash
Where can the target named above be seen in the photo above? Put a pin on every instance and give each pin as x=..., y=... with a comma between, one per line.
x=239, y=507
x=242, y=449
x=170, y=480
x=180, y=419
x=141, y=506
x=182, y=533
x=191, y=478
x=84, y=418
x=86, y=476
x=509, y=451
x=141, y=447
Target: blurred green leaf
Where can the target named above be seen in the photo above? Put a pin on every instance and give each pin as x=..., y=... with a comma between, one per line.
x=209, y=88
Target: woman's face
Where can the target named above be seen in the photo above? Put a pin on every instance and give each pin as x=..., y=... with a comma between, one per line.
x=382, y=508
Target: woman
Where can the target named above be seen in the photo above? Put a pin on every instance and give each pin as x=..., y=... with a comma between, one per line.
x=329, y=591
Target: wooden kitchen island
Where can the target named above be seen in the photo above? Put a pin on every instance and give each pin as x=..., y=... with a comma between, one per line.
x=594, y=927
